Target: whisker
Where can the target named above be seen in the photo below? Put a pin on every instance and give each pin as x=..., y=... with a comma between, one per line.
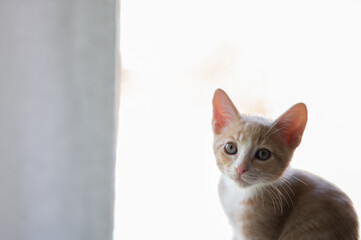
x=271, y=128
x=288, y=185
x=261, y=189
x=285, y=180
x=284, y=183
x=288, y=196
x=283, y=196
x=272, y=198
x=256, y=194
x=299, y=180
x=279, y=198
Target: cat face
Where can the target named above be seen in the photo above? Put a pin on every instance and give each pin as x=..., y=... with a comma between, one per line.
x=253, y=150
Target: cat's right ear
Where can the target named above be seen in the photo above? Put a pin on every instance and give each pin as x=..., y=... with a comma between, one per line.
x=224, y=111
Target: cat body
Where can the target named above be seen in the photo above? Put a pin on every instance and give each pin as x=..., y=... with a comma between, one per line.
x=262, y=196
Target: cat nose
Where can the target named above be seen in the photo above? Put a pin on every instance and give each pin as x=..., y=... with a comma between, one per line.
x=240, y=171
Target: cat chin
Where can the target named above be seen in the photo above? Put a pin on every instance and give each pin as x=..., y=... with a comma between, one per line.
x=242, y=184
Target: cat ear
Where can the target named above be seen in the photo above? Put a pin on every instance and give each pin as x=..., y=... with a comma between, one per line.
x=224, y=111
x=292, y=124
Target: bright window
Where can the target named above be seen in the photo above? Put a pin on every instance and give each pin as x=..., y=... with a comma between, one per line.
x=267, y=55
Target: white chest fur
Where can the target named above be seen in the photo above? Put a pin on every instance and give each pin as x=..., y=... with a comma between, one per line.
x=232, y=197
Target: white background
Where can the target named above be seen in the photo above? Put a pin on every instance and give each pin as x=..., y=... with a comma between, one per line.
x=267, y=55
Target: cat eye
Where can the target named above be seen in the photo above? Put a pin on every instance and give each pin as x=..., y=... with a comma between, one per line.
x=230, y=148
x=263, y=154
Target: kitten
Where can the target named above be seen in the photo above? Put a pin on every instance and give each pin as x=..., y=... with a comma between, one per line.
x=262, y=196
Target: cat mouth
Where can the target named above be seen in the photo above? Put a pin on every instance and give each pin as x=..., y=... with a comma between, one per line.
x=242, y=183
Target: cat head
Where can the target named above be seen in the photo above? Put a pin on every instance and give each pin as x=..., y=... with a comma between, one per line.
x=253, y=150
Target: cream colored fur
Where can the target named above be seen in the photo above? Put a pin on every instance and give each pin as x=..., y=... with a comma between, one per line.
x=270, y=200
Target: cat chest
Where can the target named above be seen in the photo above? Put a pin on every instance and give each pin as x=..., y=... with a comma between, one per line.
x=248, y=220
x=237, y=205
x=246, y=214
x=237, y=209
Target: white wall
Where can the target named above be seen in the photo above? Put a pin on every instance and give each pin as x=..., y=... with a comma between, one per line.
x=57, y=119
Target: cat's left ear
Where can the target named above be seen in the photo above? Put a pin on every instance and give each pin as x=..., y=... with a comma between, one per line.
x=292, y=124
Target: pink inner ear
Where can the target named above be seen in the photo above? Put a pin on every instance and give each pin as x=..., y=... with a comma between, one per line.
x=224, y=111
x=292, y=124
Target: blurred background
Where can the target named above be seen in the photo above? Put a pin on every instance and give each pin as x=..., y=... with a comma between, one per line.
x=58, y=112
x=61, y=163
x=267, y=55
